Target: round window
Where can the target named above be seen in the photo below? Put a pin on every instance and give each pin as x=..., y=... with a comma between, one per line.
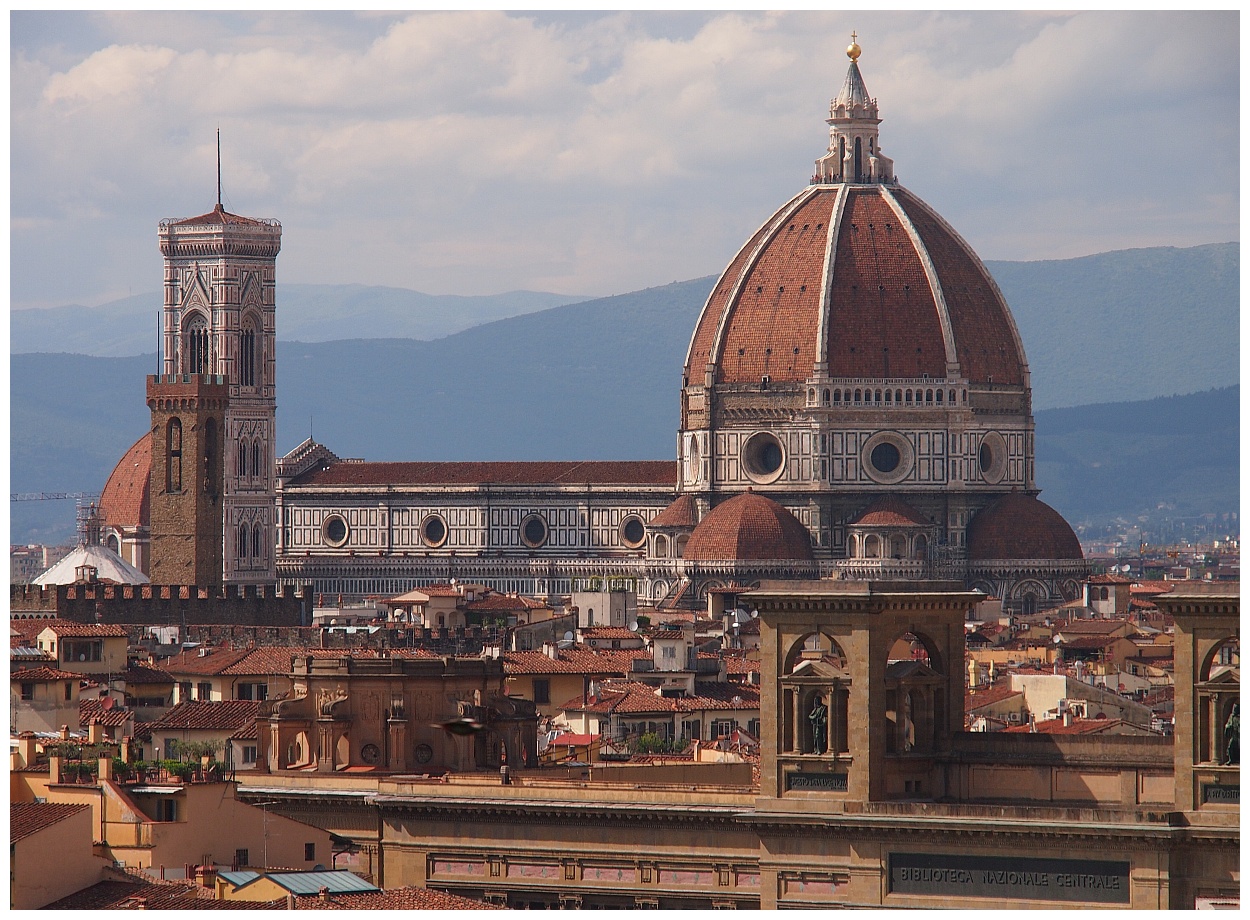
x=334, y=531
x=992, y=457
x=534, y=530
x=433, y=530
x=423, y=753
x=762, y=457
x=886, y=457
x=633, y=531
x=371, y=754
x=692, y=459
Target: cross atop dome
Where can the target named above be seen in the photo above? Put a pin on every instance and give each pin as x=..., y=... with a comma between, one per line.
x=854, y=153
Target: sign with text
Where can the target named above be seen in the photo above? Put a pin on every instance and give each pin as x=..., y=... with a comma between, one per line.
x=1218, y=794
x=1082, y=880
x=820, y=782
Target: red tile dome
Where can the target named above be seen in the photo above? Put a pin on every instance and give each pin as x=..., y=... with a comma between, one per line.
x=124, y=502
x=1018, y=526
x=889, y=511
x=749, y=527
x=865, y=279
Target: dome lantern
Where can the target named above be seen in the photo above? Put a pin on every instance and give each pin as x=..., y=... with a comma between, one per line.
x=854, y=153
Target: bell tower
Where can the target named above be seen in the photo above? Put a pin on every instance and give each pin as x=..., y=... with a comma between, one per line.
x=217, y=335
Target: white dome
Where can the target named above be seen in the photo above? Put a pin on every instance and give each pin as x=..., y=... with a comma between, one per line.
x=109, y=567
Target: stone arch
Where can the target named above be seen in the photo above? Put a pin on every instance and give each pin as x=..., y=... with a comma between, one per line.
x=249, y=339
x=196, y=351
x=815, y=697
x=916, y=701
x=661, y=546
x=920, y=547
x=241, y=549
x=872, y=546
x=258, y=543
x=898, y=546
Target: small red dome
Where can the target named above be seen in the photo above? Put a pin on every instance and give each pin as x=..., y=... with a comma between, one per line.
x=889, y=511
x=749, y=527
x=124, y=502
x=681, y=513
x=1018, y=526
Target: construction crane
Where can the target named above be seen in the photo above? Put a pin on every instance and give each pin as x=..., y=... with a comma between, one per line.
x=52, y=496
x=86, y=506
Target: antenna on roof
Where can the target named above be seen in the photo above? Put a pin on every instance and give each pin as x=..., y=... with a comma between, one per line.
x=219, y=167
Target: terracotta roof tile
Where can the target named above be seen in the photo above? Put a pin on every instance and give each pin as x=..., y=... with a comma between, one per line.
x=1018, y=526
x=44, y=673
x=410, y=898
x=206, y=715
x=26, y=818
x=92, y=712
x=124, y=501
x=540, y=472
x=218, y=215
x=682, y=512
x=603, y=662
x=749, y=527
x=890, y=511
x=86, y=630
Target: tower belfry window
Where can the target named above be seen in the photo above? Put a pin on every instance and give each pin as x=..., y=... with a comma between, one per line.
x=247, y=357
x=196, y=347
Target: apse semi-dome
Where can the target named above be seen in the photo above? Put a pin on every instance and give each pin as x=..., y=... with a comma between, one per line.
x=749, y=528
x=1019, y=526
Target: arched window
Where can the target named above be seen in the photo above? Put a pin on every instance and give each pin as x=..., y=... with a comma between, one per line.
x=257, y=545
x=837, y=396
x=195, y=345
x=243, y=541
x=826, y=397
x=242, y=459
x=889, y=396
x=247, y=355
x=907, y=397
x=898, y=396
x=661, y=546
x=922, y=546
x=256, y=467
x=872, y=547
x=841, y=154
x=858, y=396
x=898, y=547
x=173, y=447
x=876, y=397
x=859, y=160
x=928, y=396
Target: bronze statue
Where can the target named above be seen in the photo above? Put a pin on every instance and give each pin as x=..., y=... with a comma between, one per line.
x=819, y=717
x=1232, y=736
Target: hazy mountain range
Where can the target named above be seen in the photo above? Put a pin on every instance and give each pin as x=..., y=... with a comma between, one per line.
x=600, y=380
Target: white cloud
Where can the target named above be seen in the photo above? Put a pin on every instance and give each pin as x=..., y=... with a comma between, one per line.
x=475, y=152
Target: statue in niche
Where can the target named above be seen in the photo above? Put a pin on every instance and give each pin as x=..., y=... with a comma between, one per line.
x=819, y=717
x=1232, y=736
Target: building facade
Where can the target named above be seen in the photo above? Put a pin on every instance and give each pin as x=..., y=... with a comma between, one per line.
x=855, y=366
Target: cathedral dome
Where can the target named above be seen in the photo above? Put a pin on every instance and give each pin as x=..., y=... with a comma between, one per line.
x=1019, y=526
x=124, y=502
x=855, y=277
x=889, y=511
x=856, y=281
x=749, y=527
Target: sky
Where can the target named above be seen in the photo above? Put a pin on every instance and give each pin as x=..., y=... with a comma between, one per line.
x=595, y=153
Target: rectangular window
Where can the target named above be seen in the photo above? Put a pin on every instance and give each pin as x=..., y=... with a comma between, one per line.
x=80, y=650
x=669, y=652
x=69, y=690
x=184, y=691
x=245, y=691
x=28, y=691
x=542, y=690
x=722, y=728
x=249, y=754
x=310, y=852
x=167, y=810
x=205, y=690
x=240, y=859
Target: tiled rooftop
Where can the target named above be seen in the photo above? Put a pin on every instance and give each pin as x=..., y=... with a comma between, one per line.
x=26, y=818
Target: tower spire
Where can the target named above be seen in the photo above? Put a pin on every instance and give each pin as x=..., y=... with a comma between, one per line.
x=219, y=167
